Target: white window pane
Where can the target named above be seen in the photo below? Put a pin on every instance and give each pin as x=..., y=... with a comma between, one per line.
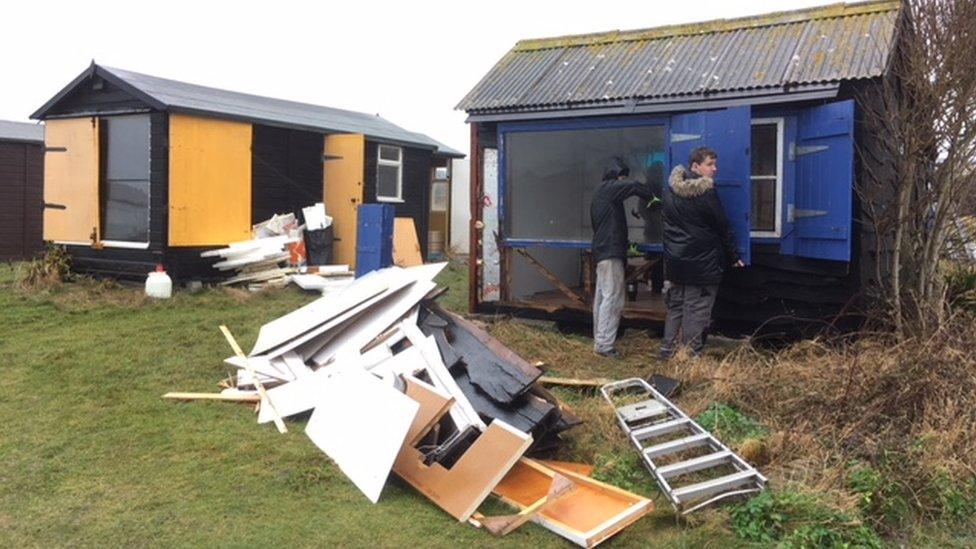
x=387, y=181
x=389, y=153
x=763, y=150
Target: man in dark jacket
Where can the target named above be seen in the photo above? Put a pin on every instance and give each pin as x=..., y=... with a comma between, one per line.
x=699, y=247
x=610, y=252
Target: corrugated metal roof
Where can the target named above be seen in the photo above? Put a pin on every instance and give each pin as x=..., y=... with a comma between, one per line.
x=21, y=131
x=787, y=49
x=165, y=94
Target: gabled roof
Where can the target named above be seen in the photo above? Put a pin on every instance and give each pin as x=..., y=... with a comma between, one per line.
x=782, y=51
x=21, y=131
x=175, y=96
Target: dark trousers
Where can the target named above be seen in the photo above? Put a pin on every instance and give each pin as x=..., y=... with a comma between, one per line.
x=689, y=314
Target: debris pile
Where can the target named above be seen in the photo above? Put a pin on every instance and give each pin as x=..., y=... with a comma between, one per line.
x=393, y=382
x=275, y=255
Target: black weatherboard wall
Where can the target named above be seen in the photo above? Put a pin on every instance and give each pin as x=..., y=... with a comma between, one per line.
x=416, y=187
x=21, y=199
x=286, y=171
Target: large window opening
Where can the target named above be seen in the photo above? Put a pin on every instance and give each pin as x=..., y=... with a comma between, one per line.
x=550, y=178
x=124, y=196
x=767, y=177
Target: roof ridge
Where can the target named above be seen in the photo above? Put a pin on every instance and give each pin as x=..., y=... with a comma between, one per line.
x=116, y=70
x=829, y=11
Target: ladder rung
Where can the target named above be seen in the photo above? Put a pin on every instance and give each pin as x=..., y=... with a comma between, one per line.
x=714, y=486
x=660, y=429
x=695, y=464
x=677, y=445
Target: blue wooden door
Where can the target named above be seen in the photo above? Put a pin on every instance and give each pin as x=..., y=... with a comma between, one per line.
x=823, y=154
x=729, y=132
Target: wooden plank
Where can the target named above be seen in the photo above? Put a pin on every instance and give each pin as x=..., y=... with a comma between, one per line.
x=584, y=469
x=551, y=277
x=257, y=382
x=570, y=382
x=462, y=488
x=239, y=397
x=587, y=517
x=361, y=423
x=406, y=246
x=433, y=405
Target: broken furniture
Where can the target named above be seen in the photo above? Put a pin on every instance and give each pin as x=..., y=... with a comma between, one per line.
x=673, y=446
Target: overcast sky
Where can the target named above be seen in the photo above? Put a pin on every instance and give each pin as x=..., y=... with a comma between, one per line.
x=409, y=61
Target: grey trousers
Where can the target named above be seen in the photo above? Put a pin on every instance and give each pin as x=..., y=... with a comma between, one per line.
x=608, y=303
x=689, y=314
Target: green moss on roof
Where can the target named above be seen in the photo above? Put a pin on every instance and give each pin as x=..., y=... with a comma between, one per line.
x=706, y=27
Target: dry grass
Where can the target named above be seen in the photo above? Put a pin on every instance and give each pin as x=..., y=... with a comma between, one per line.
x=906, y=409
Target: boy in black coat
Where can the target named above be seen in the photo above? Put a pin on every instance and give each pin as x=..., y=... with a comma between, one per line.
x=699, y=246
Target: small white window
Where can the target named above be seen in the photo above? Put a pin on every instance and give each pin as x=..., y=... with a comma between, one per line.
x=439, y=195
x=389, y=174
x=767, y=177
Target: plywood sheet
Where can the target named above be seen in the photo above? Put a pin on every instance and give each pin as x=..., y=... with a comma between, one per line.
x=209, y=181
x=71, y=179
x=361, y=424
x=588, y=516
x=406, y=246
x=343, y=174
x=461, y=489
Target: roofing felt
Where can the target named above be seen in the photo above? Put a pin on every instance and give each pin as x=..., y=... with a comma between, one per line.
x=21, y=131
x=776, y=51
x=173, y=95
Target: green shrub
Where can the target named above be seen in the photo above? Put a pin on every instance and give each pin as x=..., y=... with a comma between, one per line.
x=795, y=519
x=729, y=424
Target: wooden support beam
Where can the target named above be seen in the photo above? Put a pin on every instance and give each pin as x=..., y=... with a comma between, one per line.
x=257, y=382
x=551, y=277
x=214, y=396
x=568, y=382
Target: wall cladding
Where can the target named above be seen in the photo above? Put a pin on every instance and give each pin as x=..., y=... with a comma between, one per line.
x=286, y=171
x=21, y=199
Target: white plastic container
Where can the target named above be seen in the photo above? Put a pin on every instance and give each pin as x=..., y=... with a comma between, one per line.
x=158, y=284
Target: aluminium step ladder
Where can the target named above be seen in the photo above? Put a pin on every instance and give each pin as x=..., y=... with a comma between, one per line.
x=661, y=432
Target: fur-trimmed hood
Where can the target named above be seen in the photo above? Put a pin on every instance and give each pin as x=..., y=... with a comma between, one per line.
x=685, y=187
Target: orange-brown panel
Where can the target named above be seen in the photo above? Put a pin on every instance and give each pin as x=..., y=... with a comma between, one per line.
x=71, y=180
x=345, y=170
x=209, y=181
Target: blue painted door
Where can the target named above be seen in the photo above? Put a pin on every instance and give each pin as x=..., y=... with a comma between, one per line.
x=823, y=154
x=729, y=132
x=374, y=237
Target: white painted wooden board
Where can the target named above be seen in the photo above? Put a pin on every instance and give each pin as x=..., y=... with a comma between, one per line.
x=361, y=423
x=316, y=313
x=366, y=328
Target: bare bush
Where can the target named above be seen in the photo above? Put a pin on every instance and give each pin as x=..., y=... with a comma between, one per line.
x=919, y=176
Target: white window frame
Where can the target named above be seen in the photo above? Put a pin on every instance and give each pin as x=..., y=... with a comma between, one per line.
x=778, y=232
x=380, y=161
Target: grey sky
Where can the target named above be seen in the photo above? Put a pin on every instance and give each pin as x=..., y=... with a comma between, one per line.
x=411, y=62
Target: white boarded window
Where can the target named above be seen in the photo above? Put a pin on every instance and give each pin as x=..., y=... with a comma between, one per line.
x=389, y=174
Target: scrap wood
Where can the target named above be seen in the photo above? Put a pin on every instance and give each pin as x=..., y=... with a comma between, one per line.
x=570, y=382
x=505, y=524
x=257, y=382
x=588, y=516
x=584, y=469
x=242, y=397
x=406, y=246
x=494, y=368
x=462, y=488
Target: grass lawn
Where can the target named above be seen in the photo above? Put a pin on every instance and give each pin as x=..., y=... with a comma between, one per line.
x=91, y=455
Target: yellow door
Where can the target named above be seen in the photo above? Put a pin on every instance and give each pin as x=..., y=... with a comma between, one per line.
x=71, y=180
x=209, y=181
x=344, y=172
